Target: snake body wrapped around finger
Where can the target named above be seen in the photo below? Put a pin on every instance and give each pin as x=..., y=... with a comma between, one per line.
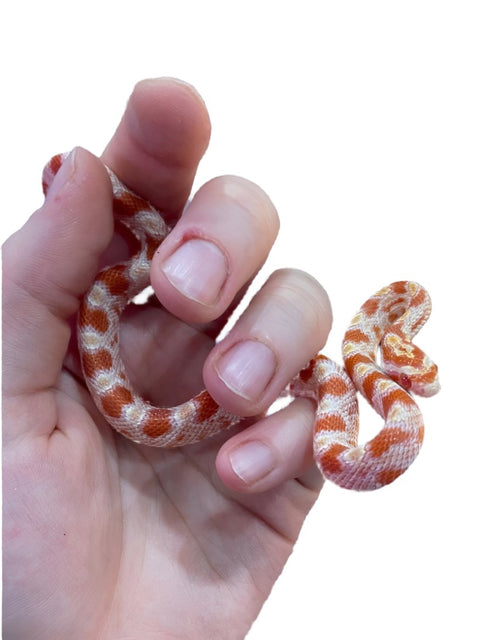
x=387, y=321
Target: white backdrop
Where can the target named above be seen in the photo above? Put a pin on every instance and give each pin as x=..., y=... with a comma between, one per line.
x=361, y=121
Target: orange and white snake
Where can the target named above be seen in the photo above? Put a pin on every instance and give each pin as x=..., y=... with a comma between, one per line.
x=387, y=321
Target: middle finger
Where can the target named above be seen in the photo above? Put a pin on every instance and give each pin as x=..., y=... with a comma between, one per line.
x=217, y=246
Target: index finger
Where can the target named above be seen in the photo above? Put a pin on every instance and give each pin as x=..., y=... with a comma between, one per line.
x=159, y=142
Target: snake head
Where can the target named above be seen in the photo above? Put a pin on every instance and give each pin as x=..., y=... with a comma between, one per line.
x=425, y=383
x=409, y=366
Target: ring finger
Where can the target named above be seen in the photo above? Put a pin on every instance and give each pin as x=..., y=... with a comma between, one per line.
x=286, y=323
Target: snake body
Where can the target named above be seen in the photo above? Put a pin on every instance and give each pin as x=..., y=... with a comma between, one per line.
x=388, y=321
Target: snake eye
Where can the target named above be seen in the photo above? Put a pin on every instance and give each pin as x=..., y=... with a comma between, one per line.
x=405, y=381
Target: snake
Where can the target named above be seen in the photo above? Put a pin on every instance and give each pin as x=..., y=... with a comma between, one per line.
x=384, y=326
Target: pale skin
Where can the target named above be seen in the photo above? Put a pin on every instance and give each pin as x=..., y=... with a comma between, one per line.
x=105, y=539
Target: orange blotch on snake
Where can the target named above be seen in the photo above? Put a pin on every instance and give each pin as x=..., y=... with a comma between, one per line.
x=396, y=329
x=157, y=422
x=115, y=279
x=114, y=400
x=399, y=287
x=352, y=361
x=370, y=306
x=206, y=406
x=329, y=460
x=128, y=204
x=330, y=422
x=385, y=439
x=394, y=316
x=334, y=386
x=355, y=335
x=419, y=298
x=101, y=360
x=95, y=318
x=370, y=382
x=396, y=395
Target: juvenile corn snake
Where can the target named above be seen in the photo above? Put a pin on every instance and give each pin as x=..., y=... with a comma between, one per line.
x=387, y=321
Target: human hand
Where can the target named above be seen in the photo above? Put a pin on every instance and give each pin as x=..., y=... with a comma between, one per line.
x=104, y=538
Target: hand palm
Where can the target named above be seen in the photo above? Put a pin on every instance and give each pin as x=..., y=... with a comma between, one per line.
x=129, y=531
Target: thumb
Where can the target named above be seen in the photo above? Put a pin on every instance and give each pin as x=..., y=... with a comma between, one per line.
x=47, y=265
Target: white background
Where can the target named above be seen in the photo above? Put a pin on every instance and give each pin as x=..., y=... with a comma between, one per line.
x=361, y=121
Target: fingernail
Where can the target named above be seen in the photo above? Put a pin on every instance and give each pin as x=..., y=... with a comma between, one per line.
x=198, y=269
x=252, y=461
x=62, y=177
x=247, y=368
